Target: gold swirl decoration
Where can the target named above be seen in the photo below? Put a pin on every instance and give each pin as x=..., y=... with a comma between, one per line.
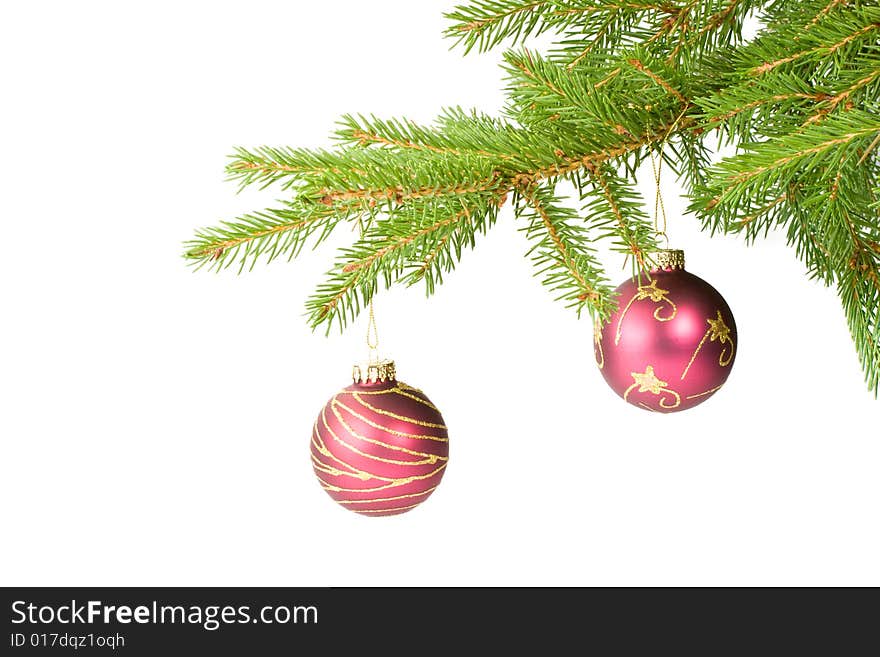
x=719, y=331
x=705, y=392
x=647, y=381
x=657, y=295
x=597, y=338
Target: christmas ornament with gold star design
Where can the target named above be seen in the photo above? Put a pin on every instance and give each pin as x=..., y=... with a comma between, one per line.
x=671, y=343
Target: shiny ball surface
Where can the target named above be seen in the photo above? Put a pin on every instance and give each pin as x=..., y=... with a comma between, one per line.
x=379, y=448
x=671, y=343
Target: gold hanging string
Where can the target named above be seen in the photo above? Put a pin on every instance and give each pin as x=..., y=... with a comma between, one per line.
x=372, y=337
x=372, y=328
x=657, y=170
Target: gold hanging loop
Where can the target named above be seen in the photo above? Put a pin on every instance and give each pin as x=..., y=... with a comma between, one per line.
x=659, y=207
x=372, y=329
x=657, y=170
x=372, y=336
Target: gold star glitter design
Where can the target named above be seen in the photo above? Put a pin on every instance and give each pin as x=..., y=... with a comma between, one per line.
x=718, y=330
x=652, y=292
x=647, y=381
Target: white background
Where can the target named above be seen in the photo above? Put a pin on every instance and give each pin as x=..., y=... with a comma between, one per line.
x=155, y=422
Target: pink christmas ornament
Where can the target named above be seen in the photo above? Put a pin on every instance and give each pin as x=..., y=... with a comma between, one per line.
x=672, y=341
x=379, y=446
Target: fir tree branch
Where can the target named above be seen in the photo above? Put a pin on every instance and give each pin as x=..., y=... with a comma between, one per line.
x=640, y=66
x=832, y=102
x=818, y=50
x=825, y=11
x=266, y=165
x=402, y=240
x=795, y=155
x=562, y=252
x=625, y=216
x=483, y=24
x=769, y=100
x=594, y=158
x=853, y=256
x=799, y=101
x=429, y=264
x=453, y=126
x=586, y=291
x=401, y=194
x=599, y=37
x=718, y=19
x=270, y=233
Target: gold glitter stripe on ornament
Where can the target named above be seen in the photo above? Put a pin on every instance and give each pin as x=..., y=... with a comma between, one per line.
x=318, y=442
x=324, y=451
x=380, y=411
x=707, y=392
x=655, y=294
x=647, y=381
x=400, y=389
x=329, y=469
x=416, y=436
x=336, y=472
x=403, y=481
x=403, y=391
x=354, y=449
x=397, y=448
x=360, y=474
x=395, y=508
x=390, y=499
x=597, y=338
x=717, y=330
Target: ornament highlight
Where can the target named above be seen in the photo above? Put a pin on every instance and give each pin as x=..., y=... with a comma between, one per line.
x=379, y=447
x=671, y=343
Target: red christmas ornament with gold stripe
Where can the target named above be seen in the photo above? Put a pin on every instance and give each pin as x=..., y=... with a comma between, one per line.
x=671, y=343
x=379, y=447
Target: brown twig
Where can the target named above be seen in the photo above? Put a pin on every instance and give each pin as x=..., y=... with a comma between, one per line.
x=716, y=19
x=663, y=7
x=769, y=66
x=480, y=24
x=365, y=137
x=751, y=217
x=763, y=101
x=835, y=100
x=637, y=64
x=589, y=47
x=429, y=259
x=403, y=241
x=269, y=167
x=748, y=175
x=568, y=165
x=400, y=194
x=588, y=290
x=831, y=5
x=608, y=78
x=835, y=186
x=216, y=249
x=529, y=74
x=596, y=173
x=870, y=148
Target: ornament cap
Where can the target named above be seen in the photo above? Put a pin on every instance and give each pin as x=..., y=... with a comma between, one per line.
x=668, y=259
x=378, y=372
